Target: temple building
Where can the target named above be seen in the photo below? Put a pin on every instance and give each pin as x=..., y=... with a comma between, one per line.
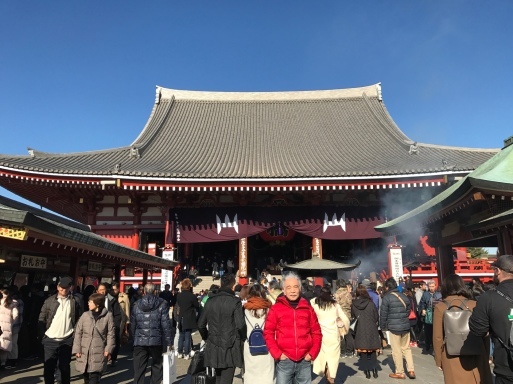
x=477, y=211
x=252, y=177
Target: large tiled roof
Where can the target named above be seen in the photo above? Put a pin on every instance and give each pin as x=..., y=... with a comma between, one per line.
x=278, y=135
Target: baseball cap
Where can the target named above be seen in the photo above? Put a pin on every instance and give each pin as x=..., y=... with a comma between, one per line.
x=65, y=282
x=366, y=283
x=505, y=263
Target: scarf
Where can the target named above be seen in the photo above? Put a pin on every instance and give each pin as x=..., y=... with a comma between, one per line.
x=294, y=303
x=255, y=303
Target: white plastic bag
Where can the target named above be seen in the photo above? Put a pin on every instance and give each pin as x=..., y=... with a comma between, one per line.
x=169, y=367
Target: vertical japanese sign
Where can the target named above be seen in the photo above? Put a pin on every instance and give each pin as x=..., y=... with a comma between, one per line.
x=395, y=263
x=167, y=275
x=243, y=257
x=317, y=247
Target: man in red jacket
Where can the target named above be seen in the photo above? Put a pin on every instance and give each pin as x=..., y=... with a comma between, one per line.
x=292, y=334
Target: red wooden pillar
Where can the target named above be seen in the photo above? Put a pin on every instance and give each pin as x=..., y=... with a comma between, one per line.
x=135, y=239
x=243, y=261
x=317, y=252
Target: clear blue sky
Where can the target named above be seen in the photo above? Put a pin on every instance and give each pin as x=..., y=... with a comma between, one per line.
x=78, y=76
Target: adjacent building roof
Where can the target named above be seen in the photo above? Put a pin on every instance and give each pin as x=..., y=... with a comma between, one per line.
x=495, y=176
x=39, y=221
x=193, y=135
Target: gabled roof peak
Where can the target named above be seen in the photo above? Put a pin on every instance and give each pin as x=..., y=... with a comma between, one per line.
x=167, y=93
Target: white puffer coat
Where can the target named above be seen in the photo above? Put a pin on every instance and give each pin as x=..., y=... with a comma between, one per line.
x=8, y=316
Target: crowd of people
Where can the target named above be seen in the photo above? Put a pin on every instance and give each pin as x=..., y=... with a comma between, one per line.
x=303, y=329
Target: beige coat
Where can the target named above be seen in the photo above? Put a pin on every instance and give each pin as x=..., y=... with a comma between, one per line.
x=90, y=344
x=273, y=295
x=344, y=299
x=8, y=316
x=330, y=347
x=124, y=303
x=459, y=369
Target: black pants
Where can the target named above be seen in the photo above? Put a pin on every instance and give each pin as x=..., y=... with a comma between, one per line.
x=92, y=377
x=57, y=350
x=503, y=380
x=141, y=356
x=428, y=336
x=349, y=342
x=117, y=334
x=225, y=375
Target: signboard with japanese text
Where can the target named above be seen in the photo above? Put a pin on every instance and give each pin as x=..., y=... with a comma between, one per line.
x=129, y=272
x=243, y=257
x=37, y=262
x=395, y=263
x=166, y=274
x=16, y=233
x=94, y=266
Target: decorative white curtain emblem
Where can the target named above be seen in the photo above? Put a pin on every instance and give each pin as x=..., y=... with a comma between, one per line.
x=334, y=222
x=227, y=223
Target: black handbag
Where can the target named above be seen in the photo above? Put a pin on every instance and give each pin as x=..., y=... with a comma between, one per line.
x=197, y=363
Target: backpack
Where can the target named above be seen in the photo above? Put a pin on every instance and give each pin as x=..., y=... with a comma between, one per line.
x=256, y=340
x=457, y=337
x=433, y=301
x=509, y=348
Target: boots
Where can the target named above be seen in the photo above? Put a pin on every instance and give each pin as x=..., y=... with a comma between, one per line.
x=375, y=373
x=367, y=374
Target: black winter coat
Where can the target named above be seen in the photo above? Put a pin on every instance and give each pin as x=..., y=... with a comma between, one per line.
x=114, y=308
x=366, y=330
x=226, y=331
x=393, y=315
x=188, y=304
x=150, y=323
x=49, y=310
x=491, y=315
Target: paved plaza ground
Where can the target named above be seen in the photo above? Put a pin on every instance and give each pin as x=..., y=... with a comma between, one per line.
x=31, y=372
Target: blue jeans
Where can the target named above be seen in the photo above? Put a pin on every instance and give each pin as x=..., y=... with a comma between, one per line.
x=289, y=372
x=184, y=341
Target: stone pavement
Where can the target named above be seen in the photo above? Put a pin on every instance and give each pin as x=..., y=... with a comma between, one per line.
x=31, y=372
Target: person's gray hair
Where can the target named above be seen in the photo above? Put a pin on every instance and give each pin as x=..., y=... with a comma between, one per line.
x=290, y=274
x=149, y=289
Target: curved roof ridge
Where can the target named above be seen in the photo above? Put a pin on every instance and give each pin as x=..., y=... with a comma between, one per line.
x=150, y=128
x=459, y=148
x=343, y=93
x=385, y=120
x=41, y=154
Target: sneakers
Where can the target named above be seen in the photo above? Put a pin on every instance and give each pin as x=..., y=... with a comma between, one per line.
x=180, y=356
x=413, y=344
x=187, y=357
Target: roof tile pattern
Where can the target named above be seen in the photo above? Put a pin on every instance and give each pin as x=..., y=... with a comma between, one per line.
x=211, y=137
